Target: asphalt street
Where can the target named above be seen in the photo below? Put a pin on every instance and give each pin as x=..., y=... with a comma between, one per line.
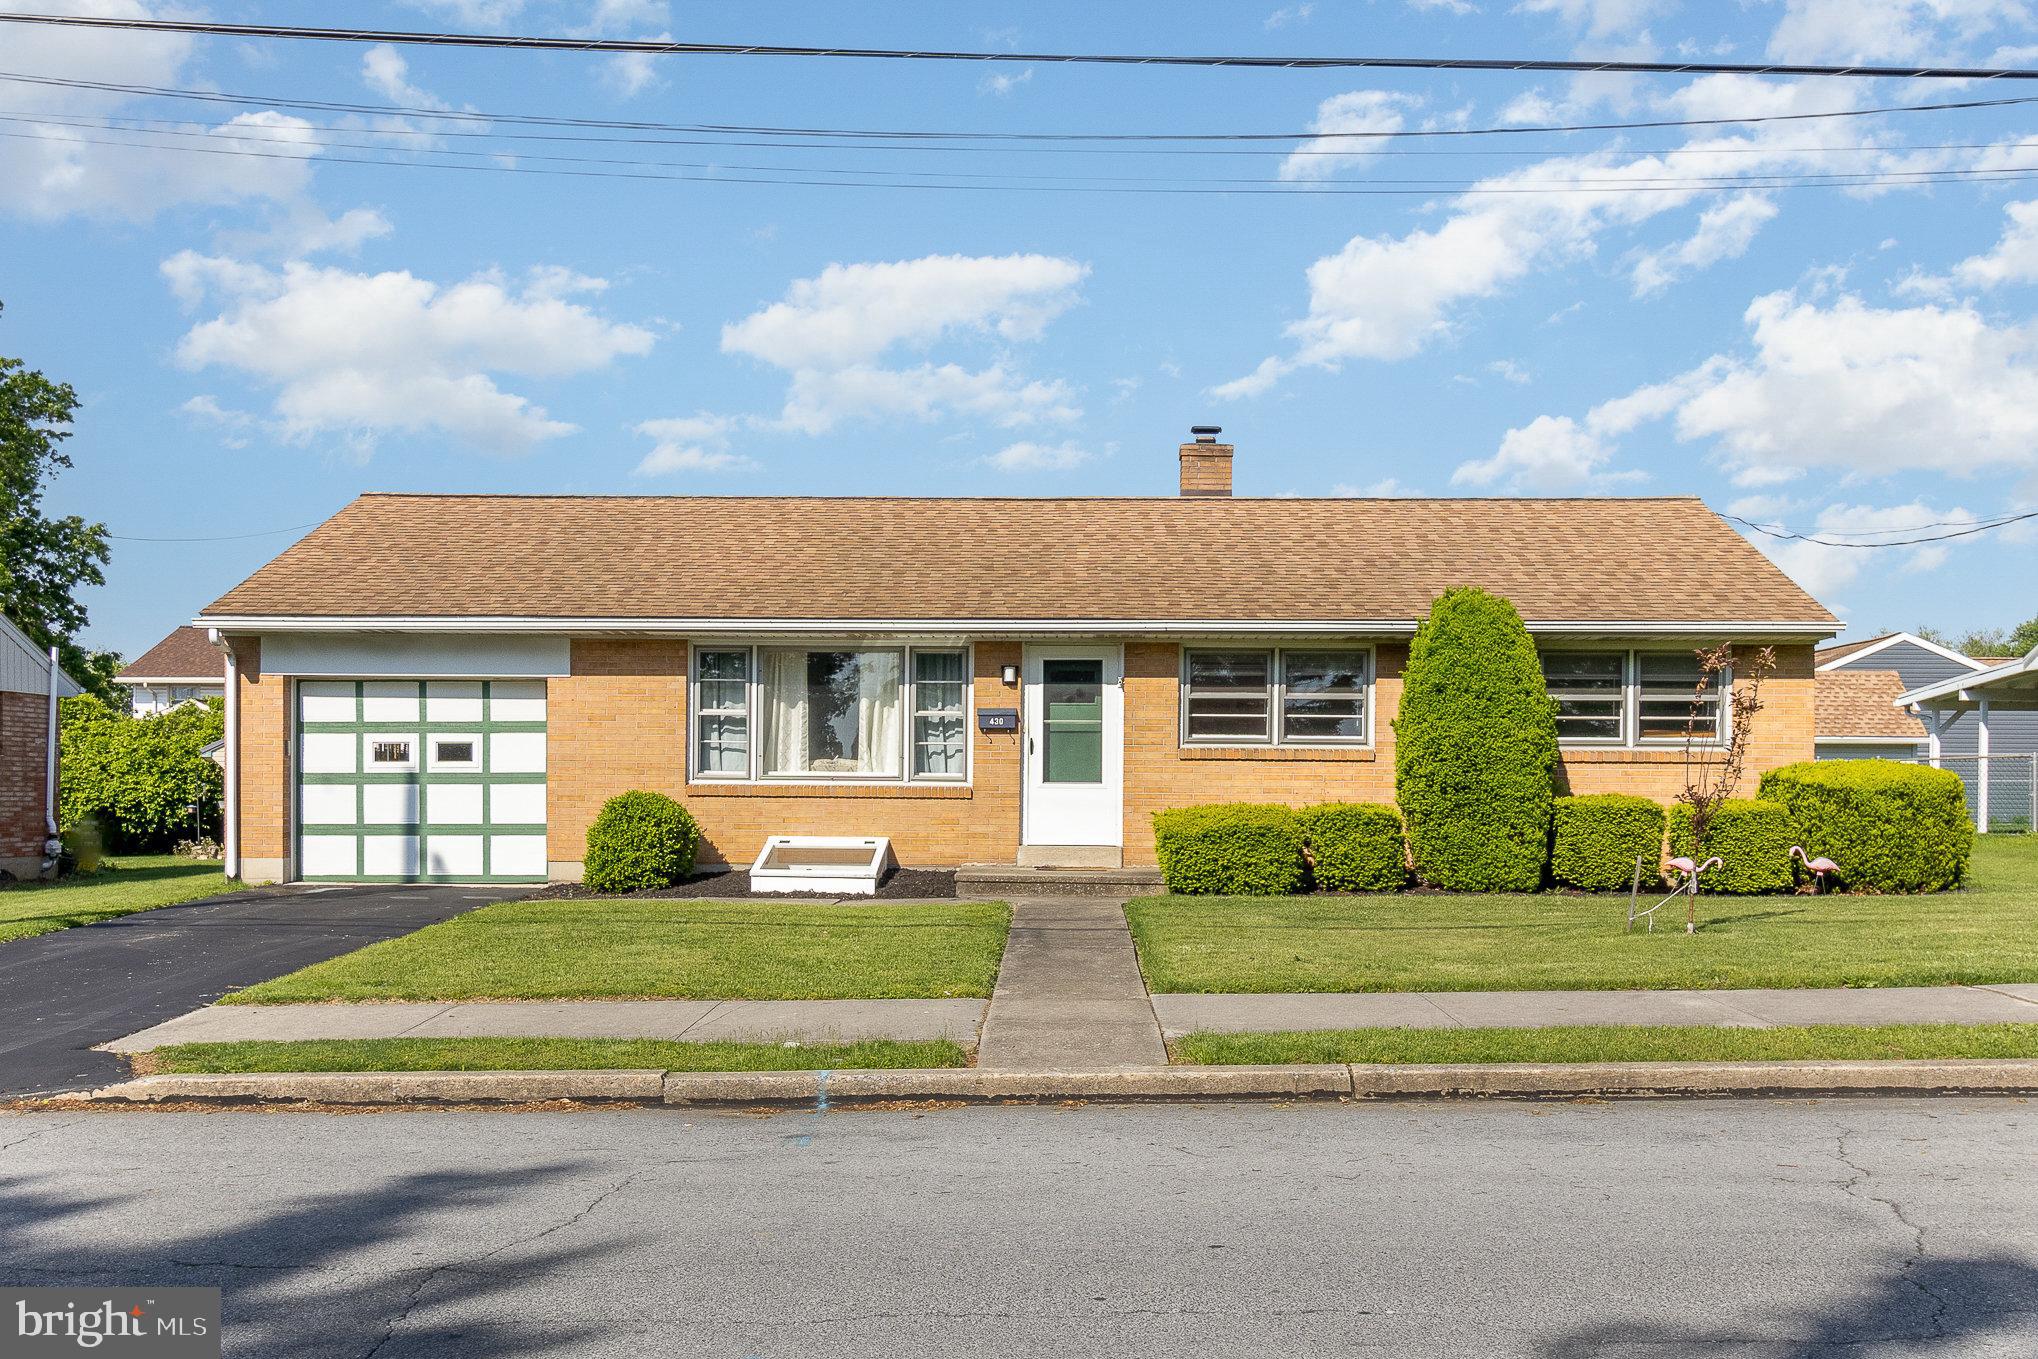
x=1725, y=1228
x=63, y=992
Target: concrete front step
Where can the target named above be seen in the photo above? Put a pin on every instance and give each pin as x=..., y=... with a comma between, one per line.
x=1002, y=882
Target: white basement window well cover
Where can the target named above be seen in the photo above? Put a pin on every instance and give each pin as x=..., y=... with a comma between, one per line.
x=832, y=865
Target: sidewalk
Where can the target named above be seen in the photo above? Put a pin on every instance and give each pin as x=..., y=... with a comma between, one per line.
x=2007, y=1004
x=1069, y=994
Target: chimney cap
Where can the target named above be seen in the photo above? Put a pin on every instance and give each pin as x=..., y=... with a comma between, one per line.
x=1206, y=434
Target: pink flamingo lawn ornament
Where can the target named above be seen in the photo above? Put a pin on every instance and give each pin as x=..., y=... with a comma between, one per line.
x=1691, y=872
x=1818, y=867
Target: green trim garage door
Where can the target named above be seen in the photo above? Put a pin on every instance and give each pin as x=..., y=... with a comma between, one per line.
x=421, y=780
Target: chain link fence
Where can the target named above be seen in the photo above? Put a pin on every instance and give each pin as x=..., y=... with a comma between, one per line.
x=2011, y=784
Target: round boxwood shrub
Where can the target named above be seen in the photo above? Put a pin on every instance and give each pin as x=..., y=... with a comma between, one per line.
x=640, y=840
x=1240, y=849
x=1475, y=748
x=1891, y=827
x=1752, y=839
x=1595, y=840
x=1355, y=846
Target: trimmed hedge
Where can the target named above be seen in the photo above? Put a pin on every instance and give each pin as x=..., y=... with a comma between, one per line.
x=1355, y=846
x=1596, y=839
x=139, y=777
x=1475, y=748
x=1891, y=827
x=1242, y=849
x=640, y=840
x=1752, y=839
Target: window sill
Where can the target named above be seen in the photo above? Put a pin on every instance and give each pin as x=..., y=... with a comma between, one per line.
x=1321, y=753
x=956, y=791
x=1633, y=754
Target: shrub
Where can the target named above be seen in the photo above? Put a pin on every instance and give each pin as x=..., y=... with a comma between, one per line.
x=1231, y=849
x=1893, y=827
x=1355, y=846
x=1752, y=839
x=1595, y=840
x=640, y=840
x=139, y=777
x=1476, y=746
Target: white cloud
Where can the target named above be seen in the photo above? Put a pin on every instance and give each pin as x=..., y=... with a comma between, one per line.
x=2015, y=257
x=303, y=230
x=1886, y=30
x=692, y=443
x=386, y=71
x=473, y=13
x=232, y=425
x=1289, y=14
x=1389, y=297
x=1447, y=6
x=1026, y=456
x=1601, y=18
x=830, y=331
x=1551, y=453
x=358, y=355
x=1724, y=232
x=632, y=73
x=1349, y=116
x=1002, y=84
x=1507, y=370
x=1387, y=488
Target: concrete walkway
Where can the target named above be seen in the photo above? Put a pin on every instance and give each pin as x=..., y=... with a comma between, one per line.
x=1069, y=994
x=2008, y=1004
x=696, y=1021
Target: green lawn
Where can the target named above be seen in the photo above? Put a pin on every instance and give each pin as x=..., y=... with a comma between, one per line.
x=545, y=1054
x=1823, y=1042
x=122, y=886
x=636, y=947
x=1420, y=942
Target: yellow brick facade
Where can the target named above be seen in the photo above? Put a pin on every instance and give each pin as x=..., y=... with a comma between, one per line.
x=618, y=721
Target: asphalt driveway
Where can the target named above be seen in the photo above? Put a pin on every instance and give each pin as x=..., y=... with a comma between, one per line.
x=60, y=993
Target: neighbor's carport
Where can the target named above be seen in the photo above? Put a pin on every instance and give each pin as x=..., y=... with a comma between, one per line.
x=2009, y=687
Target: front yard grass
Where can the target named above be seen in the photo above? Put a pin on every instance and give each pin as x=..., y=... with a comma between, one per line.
x=123, y=885
x=587, y=948
x=1544, y=942
x=543, y=1054
x=1582, y=1043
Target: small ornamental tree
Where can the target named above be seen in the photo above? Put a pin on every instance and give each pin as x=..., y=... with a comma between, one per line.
x=1712, y=767
x=1475, y=748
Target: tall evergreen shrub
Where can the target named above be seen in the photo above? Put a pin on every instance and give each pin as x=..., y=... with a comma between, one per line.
x=1475, y=748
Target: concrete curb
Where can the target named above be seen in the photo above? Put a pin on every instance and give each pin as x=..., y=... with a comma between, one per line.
x=824, y=1089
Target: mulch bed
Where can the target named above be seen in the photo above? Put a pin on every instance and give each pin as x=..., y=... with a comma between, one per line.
x=903, y=884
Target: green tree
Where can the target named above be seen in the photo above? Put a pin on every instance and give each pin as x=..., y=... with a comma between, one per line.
x=1476, y=748
x=139, y=776
x=44, y=561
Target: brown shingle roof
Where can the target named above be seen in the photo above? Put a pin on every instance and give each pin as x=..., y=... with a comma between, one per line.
x=1165, y=559
x=1861, y=703
x=184, y=654
x=1833, y=653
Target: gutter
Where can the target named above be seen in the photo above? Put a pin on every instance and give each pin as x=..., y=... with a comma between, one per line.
x=231, y=831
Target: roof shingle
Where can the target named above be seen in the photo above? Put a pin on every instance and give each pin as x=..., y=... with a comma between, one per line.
x=184, y=654
x=1161, y=559
x=1862, y=703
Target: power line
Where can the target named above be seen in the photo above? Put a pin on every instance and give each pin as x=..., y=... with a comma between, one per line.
x=666, y=47
x=219, y=537
x=848, y=135
x=1971, y=528
x=1115, y=184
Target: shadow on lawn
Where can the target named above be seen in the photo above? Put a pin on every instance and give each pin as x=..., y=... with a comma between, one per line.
x=289, y=1278
x=1924, y=1306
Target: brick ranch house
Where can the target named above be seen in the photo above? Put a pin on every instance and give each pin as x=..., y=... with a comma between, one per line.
x=30, y=683
x=451, y=686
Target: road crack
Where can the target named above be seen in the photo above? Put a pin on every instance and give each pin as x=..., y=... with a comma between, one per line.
x=1919, y=1253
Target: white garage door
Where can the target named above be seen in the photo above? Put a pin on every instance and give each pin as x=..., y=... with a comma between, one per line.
x=421, y=780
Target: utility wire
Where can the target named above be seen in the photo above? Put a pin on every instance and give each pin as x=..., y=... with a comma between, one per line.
x=1384, y=188
x=1969, y=531
x=218, y=537
x=666, y=47
x=907, y=134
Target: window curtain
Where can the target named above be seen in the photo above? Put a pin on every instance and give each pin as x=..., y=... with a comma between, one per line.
x=879, y=712
x=785, y=699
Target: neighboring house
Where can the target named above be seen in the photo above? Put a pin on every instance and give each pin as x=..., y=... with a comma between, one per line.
x=28, y=803
x=451, y=686
x=1859, y=717
x=184, y=667
x=1998, y=704
x=1918, y=663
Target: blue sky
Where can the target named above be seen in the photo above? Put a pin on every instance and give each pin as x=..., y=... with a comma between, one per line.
x=257, y=339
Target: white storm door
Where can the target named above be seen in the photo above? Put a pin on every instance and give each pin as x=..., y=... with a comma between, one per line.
x=1074, y=703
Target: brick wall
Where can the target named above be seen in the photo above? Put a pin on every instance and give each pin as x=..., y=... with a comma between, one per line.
x=619, y=722
x=24, y=749
x=265, y=758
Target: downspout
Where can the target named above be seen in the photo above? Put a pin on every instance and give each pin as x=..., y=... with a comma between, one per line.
x=53, y=842
x=232, y=828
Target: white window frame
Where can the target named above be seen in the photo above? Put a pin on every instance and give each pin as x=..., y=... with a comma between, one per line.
x=1277, y=698
x=371, y=765
x=436, y=765
x=754, y=695
x=1631, y=737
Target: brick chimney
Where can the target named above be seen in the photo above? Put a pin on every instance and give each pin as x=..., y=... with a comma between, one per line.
x=1206, y=464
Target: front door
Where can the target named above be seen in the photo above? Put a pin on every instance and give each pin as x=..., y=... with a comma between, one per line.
x=1075, y=750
